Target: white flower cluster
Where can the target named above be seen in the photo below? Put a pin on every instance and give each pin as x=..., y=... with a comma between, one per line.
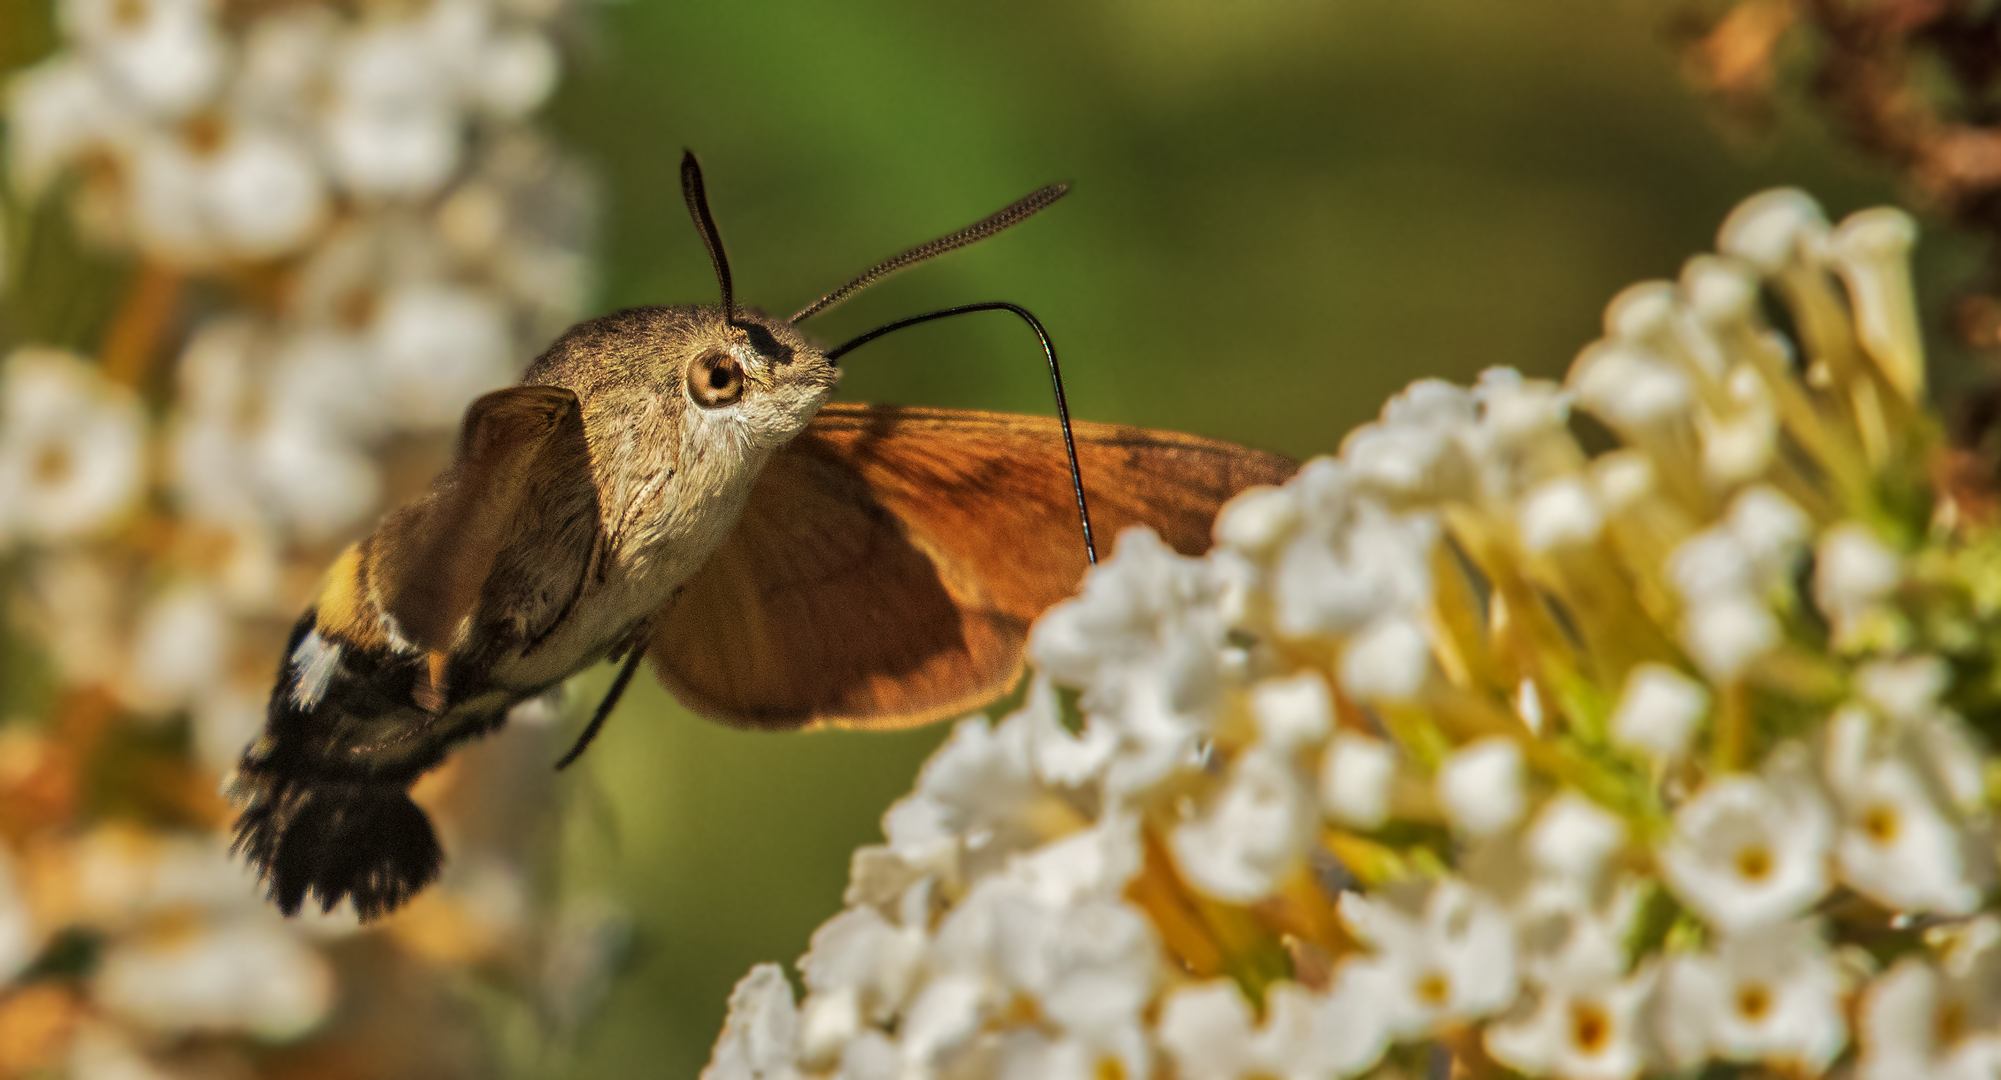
x=202, y=143
x=1470, y=743
x=378, y=234
x=398, y=239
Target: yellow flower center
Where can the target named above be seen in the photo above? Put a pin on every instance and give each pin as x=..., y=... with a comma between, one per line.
x=1754, y=863
x=205, y=134
x=1881, y=824
x=1590, y=1027
x=53, y=465
x=1754, y=1001
x=1434, y=989
x=129, y=14
x=356, y=307
x=1949, y=1023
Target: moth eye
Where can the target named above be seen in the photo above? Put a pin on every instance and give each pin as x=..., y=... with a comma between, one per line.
x=715, y=379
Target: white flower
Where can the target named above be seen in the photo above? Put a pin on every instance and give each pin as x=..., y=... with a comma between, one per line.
x=1257, y=519
x=254, y=976
x=979, y=790
x=1059, y=757
x=1659, y=710
x=1292, y=713
x=71, y=446
x=1415, y=449
x=326, y=379
x=242, y=193
x=1905, y=690
x=1748, y=852
x=862, y=955
x=1144, y=639
x=1738, y=447
x=758, y=1038
x=1252, y=834
x=1635, y=392
x=1523, y=435
x=1771, y=531
x=1093, y=863
x=1088, y=965
x=1773, y=996
x=1898, y=844
x=56, y=112
x=281, y=66
x=1752, y=550
x=1573, y=837
x=1589, y=1031
x=179, y=647
x=1623, y=480
x=125, y=877
x=1390, y=660
x=78, y=600
x=1571, y=933
x=1028, y=1054
x=1338, y=575
x=516, y=73
x=1871, y=250
x=1711, y=563
x=1655, y=315
x=1442, y=955
x=1559, y=514
x=391, y=128
x=101, y=1051
x=436, y=347
x=1481, y=787
x=164, y=55
x=1727, y=634
x=265, y=196
x=1774, y=229
x=1355, y=780
x=1916, y=1022
x=314, y=480
x=1209, y=1032
x=1854, y=573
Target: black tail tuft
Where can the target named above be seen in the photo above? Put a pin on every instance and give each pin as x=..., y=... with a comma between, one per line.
x=335, y=838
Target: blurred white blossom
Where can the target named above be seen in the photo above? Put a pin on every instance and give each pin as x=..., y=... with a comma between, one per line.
x=71, y=447
x=341, y=226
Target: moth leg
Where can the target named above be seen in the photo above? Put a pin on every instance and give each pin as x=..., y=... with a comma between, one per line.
x=415, y=731
x=634, y=654
x=429, y=695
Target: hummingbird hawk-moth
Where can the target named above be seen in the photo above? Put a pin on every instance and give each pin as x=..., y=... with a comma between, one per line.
x=672, y=482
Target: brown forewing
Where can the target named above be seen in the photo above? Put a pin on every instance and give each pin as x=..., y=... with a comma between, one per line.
x=890, y=560
x=444, y=549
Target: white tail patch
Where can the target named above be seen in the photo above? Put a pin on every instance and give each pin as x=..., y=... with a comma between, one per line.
x=313, y=664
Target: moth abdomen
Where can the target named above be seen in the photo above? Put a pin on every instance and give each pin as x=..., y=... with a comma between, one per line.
x=323, y=796
x=334, y=838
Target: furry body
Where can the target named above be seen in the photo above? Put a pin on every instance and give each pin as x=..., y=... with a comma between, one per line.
x=589, y=541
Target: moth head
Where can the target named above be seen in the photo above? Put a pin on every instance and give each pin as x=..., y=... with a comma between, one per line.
x=746, y=372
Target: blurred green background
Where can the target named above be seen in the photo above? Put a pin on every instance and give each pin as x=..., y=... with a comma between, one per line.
x=1282, y=211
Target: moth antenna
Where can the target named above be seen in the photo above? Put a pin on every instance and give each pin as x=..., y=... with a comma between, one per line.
x=1042, y=335
x=705, y=223
x=1014, y=213
x=605, y=707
